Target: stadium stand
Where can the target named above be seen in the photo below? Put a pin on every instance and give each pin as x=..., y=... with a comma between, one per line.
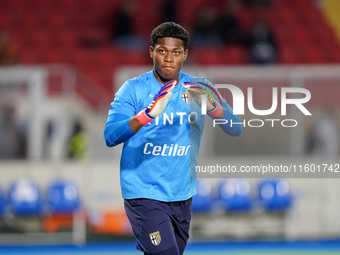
x=275, y=195
x=25, y=198
x=235, y=195
x=63, y=197
x=63, y=201
x=202, y=202
x=78, y=32
x=2, y=203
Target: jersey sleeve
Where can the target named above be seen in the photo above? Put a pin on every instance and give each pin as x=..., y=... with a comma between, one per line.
x=117, y=128
x=233, y=130
x=125, y=101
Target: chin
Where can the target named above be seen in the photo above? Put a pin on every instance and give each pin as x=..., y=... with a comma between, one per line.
x=167, y=76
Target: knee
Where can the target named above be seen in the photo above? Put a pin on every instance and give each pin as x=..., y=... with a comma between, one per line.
x=171, y=251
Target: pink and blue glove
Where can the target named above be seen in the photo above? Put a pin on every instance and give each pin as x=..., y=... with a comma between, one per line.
x=157, y=105
x=199, y=86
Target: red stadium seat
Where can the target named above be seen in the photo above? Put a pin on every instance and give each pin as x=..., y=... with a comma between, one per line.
x=59, y=55
x=108, y=57
x=68, y=38
x=27, y=41
x=288, y=15
x=287, y=55
x=245, y=18
x=17, y=4
x=59, y=19
x=333, y=54
x=314, y=54
x=52, y=31
x=300, y=35
x=42, y=38
x=5, y=19
x=209, y=56
x=84, y=57
x=235, y=55
x=133, y=57
x=28, y=57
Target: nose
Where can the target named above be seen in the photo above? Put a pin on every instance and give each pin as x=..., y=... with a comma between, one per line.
x=168, y=57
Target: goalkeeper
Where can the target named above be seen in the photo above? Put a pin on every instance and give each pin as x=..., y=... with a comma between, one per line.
x=161, y=131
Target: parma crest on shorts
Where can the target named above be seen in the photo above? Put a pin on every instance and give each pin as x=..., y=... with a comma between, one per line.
x=155, y=238
x=186, y=97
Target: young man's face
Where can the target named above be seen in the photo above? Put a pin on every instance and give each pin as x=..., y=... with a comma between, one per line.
x=168, y=56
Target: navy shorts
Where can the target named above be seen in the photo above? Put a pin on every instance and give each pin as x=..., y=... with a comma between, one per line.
x=158, y=225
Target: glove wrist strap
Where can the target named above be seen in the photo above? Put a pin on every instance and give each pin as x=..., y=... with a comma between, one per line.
x=143, y=117
x=217, y=111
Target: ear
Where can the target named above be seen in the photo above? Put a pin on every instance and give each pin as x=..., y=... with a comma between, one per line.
x=151, y=51
x=185, y=54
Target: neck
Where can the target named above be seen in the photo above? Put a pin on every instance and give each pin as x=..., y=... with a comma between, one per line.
x=164, y=81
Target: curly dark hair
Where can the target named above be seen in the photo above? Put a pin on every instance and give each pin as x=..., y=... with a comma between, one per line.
x=170, y=29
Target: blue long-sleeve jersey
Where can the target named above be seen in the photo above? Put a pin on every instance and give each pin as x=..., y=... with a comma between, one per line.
x=158, y=162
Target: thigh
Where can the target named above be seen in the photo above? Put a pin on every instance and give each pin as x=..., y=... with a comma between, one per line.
x=181, y=223
x=151, y=224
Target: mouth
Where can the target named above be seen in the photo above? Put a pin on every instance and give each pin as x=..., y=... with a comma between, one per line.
x=168, y=68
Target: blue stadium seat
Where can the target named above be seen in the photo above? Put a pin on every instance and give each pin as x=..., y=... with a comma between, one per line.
x=202, y=202
x=235, y=195
x=24, y=198
x=63, y=197
x=275, y=195
x=2, y=203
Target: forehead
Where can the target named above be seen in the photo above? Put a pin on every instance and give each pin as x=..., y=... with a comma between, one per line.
x=169, y=42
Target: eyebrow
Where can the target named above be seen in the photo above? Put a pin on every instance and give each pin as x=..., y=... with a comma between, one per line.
x=177, y=48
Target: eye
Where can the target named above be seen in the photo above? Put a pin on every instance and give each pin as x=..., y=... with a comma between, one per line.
x=162, y=51
x=177, y=52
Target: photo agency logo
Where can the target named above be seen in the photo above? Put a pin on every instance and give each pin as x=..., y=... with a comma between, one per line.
x=239, y=106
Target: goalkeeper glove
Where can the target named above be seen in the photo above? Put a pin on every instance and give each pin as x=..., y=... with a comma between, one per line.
x=201, y=86
x=157, y=105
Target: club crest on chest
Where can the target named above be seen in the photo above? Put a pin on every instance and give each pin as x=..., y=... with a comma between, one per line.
x=186, y=97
